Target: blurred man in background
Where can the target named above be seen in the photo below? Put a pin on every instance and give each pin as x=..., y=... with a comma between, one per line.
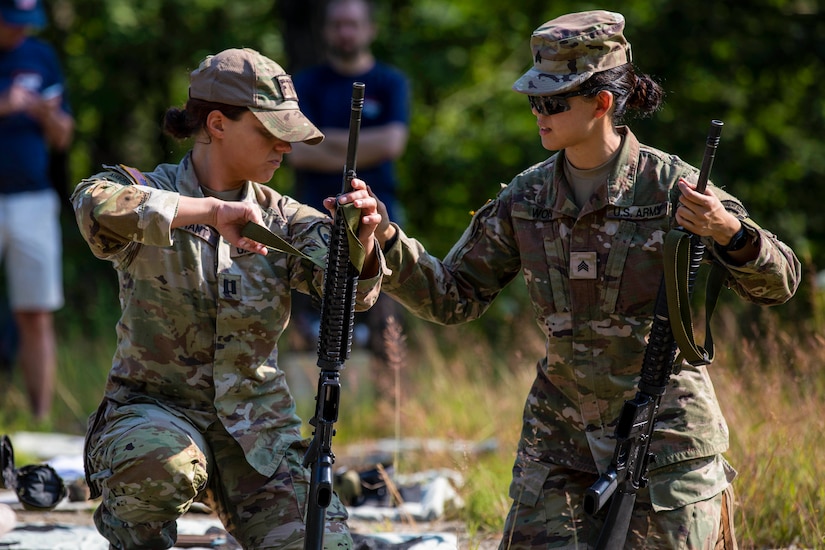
x=34, y=119
x=325, y=91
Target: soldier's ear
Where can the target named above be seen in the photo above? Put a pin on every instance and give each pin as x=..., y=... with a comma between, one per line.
x=604, y=103
x=215, y=122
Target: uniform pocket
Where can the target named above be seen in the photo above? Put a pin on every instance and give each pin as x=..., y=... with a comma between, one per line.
x=528, y=481
x=634, y=268
x=90, y=454
x=543, y=260
x=689, y=482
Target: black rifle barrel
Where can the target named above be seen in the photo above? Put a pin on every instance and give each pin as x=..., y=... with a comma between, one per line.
x=712, y=143
x=634, y=430
x=356, y=108
x=334, y=344
x=338, y=301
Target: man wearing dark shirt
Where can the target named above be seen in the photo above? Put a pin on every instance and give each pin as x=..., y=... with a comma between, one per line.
x=326, y=91
x=34, y=120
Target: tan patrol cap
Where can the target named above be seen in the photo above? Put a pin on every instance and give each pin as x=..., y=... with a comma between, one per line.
x=570, y=49
x=245, y=78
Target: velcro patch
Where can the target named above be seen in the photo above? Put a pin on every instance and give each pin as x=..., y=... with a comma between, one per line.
x=583, y=265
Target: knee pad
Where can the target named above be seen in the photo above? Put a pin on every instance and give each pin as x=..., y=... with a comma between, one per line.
x=154, y=475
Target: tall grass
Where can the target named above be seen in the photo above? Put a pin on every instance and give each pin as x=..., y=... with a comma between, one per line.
x=772, y=391
x=453, y=384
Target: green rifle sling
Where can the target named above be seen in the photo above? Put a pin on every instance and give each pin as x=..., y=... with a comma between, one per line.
x=677, y=267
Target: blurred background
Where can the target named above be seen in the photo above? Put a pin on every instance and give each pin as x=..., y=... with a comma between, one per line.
x=757, y=65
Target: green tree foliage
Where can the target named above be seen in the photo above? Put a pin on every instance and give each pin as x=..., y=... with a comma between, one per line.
x=128, y=61
x=756, y=66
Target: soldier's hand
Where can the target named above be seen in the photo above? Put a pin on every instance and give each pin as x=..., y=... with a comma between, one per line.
x=369, y=221
x=230, y=217
x=385, y=230
x=361, y=199
x=703, y=214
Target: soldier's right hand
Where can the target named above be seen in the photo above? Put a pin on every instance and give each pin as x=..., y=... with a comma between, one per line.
x=230, y=217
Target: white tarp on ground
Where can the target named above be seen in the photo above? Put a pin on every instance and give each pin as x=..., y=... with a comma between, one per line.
x=65, y=454
x=65, y=536
x=57, y=535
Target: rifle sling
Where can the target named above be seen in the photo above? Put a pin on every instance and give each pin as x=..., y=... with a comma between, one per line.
x=251, y=230
x=352, y=215
x=266, y=237
x=677, y=268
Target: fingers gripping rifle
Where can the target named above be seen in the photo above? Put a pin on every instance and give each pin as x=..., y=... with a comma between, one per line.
x=334, y=344
x=634, y=431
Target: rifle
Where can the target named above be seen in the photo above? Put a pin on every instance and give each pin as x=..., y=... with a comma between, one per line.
x=334, y=345
x=628, y=469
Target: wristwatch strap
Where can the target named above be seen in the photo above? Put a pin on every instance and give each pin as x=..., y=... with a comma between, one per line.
x=737, y=242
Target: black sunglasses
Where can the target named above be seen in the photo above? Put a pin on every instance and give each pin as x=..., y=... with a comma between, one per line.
x=551, y=104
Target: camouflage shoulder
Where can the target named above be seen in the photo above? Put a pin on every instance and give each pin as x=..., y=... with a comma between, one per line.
x=539, y=169
x=504, y=193
x=532, y=178
x=664, y=157
x=268, y=198
x=529, y=183
x=691, y=174
x=123, y=174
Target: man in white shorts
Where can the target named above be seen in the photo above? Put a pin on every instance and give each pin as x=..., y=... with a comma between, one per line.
x=34, y=120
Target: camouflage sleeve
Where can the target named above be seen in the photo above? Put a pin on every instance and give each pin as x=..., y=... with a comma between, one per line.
x=367, y=291
x=462, y=286
x=113, y=216
x=773, y=276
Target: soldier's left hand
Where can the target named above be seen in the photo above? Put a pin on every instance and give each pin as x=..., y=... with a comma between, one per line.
x=361, y=199
x=370, y=219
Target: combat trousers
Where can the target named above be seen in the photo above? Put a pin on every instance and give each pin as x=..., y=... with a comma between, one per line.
x=151, y=465
x=556, y=519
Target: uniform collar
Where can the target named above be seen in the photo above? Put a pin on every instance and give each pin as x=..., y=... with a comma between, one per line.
x=620, y=189
x=621, y=182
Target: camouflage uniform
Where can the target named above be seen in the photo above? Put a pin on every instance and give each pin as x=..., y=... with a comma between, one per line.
x=195, y=405
x=592, y=275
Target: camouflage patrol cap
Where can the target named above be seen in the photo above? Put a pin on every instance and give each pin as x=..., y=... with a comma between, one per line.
x=570, y=49
x=245, y=78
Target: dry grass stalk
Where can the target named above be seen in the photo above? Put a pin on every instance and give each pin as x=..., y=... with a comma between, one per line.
x=396, y=350
x=396, y=495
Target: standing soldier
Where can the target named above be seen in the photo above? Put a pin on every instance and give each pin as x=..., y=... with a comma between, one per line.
x=35, y=121
x=586, y=228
